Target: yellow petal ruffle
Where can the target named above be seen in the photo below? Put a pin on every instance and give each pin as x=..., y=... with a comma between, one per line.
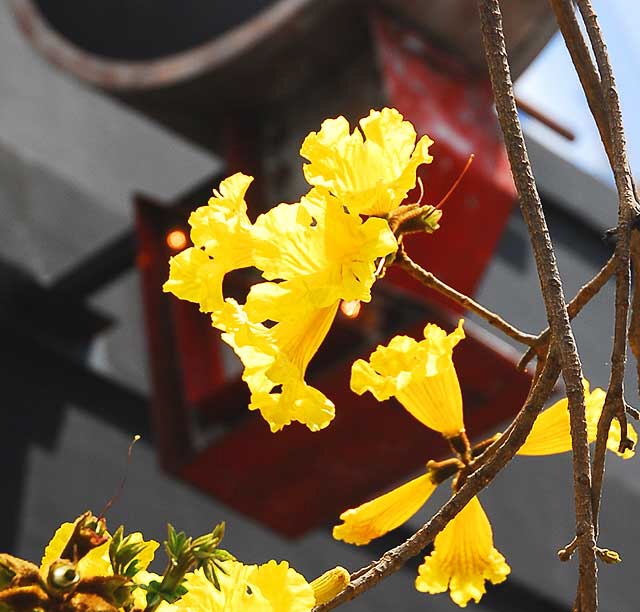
x=284, y=588
x=384, y=513
x=223, y=239
x=330, y=252
x=370, y=171
x=276, y=360
x=421, y=375
x=551, y=433
x=463, y=558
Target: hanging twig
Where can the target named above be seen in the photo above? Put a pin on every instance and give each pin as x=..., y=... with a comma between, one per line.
x=616, y=147
x=585, y=68
x=634, y=320
x=562, y=336
x=429, y=280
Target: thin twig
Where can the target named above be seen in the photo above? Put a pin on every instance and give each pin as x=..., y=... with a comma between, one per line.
x=505, y=448
x=431, y=281
x=614, y=403
x=633, y=334
x=585, y=68
x=551, y=286
x=586, y=293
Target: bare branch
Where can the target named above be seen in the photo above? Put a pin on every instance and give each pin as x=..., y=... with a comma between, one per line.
x=615, y=145
x=633, y=333
x=562, y=335
x=431, y=281
x=585, y=68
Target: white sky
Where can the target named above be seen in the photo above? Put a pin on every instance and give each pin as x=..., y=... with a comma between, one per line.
x=551, y=85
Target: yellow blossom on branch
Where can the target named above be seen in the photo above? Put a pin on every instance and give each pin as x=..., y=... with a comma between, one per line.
x=314, y=253
x=551, y=433
x=384, y=513
x=370, y=171
x=421, y=375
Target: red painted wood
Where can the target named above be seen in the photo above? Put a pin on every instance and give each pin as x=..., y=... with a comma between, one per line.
x=171, y=435
x=456, y=110
x=295, y=480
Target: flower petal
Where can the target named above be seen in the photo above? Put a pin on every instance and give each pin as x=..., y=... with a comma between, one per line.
x=195, y=277
x=369, y=176
x=222, y=228
x=284, y=588
x=331, y=252
x=55, y=547
x=145, y=556
x=463, y=558
x=224, y=241
x=272, y=587
x=276, y=360
x=96, y=562
x=202, y=596
x=551, y=432
x=384, y=513
x=421, y=375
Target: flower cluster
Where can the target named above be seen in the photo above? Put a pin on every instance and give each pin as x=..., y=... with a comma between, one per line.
x=312, y=254
x=84, y=568
x=422, y=377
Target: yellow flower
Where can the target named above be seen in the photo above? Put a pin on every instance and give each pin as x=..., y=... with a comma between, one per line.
x=314, y=253
x=421, y=375
x=463, y=558
x=381, y=515
x=276, y=360
x=329, y=251
x=222, y=235
x=370, y=176
x=551, y=433
x=272, y=587
x=324, y=254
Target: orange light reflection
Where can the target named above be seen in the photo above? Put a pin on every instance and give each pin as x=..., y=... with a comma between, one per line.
x=176, y=240
x=350, y=309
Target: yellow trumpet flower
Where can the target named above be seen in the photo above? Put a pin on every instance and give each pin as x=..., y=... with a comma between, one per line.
x=420, y=375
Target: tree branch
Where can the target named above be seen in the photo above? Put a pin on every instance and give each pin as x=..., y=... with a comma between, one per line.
x=551, y=286
x=431, y=281
x=585, y=68
x=586, y=293
x=615, y=145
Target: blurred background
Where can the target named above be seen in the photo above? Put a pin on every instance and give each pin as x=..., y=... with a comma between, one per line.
x=118, y=117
